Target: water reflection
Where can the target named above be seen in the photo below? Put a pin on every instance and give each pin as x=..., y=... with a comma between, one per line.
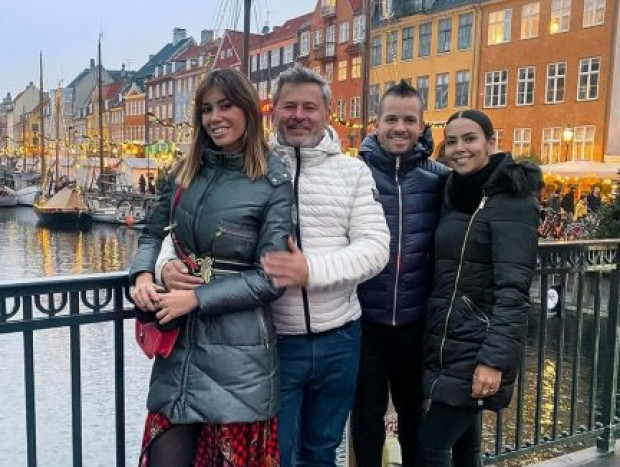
x=29, y=251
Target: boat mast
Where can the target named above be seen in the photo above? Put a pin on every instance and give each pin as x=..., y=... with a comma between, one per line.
x=41, y=116
x=247, y=6
x=367, y=9
x=57, y=110
x=100, y=97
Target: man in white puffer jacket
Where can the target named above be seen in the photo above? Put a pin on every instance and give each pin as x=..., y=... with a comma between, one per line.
x=342, y=239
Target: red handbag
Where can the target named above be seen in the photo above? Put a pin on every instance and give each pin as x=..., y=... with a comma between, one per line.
x=152, y=338
x=154, y=341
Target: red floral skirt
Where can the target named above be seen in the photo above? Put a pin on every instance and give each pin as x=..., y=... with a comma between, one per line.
x=229, y=445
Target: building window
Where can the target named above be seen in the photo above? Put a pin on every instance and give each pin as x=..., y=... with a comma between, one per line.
x=556, y=79
x=375, y=50
x=356, y=67
x=445, y=35
x=526, y=78
x=583, y=144
x=465, y=24
x=373, y=100
x=289, y=53
x=530, y=17
x=264, y=61
x=355, y=107
x=551, y=145
x=343, y=32
x=462, y=88
x=304, y=48
x=391, y=47
x=589, y=69
x=342, y=70
x=329, y=72
x=441, y=91
x=560, y=16
x=495, y=88
x=275, y=57
x=342, y=110
x=499, y=139
x=254, y=63
x=424, y=47
x=593, y=13
x=358, y=28
x=330, y=34
x=318, y=38
x=422, y=87
x=499, y=27
x=521, y=143
x=407, y=52
x=262, y=90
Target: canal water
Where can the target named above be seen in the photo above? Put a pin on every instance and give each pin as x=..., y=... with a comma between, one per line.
x=29, y=251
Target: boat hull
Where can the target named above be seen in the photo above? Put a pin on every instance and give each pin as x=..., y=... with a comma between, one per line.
x=8, y=201
x=64, y=220
x=27, y=196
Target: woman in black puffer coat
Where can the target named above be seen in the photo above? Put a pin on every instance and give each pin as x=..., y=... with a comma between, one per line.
x=485, y=247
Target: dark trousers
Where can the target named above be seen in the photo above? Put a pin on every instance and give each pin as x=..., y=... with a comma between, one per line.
x=450, y=436
x=391, y=361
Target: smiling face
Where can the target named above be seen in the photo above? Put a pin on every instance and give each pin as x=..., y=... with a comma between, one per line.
x=467, y=147
x=300, y=115
x=224, y=122
x=400, y=124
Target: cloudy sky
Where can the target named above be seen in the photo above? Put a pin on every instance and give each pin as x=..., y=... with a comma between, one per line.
x=67, y=30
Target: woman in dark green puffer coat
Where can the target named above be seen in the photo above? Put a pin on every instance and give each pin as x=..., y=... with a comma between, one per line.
x=215, y=396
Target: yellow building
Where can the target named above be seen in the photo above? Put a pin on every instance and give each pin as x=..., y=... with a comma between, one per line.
x=434, y=49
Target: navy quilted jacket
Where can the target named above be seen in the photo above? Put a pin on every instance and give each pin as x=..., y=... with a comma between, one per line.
x=411, y=197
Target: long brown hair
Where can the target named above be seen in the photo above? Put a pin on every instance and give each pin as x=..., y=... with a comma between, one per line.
x=238, y=89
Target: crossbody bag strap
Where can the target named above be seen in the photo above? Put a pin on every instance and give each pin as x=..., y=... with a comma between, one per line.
x=175, y=240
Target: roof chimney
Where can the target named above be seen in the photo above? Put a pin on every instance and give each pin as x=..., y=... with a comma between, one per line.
x=206, y=36
x=178, y=34
x=92, y=63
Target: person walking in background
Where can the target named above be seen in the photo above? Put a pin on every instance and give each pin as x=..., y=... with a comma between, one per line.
x=594, y=199
x=213, y=401
x=341, y=240
x=142, y=184
x=410, y=186
x=485, y=254
x=568, y=203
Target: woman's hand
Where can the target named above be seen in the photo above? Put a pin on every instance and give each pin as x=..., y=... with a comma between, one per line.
x=486, y=381
x=144, y=293
x=174, y=304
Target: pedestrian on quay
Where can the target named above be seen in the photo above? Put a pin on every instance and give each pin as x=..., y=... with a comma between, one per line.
x=341, y=240
x=594, y=199
x=568, y=203
x=213, y=401
x=410, y=186
x=485, y=255
x=142, y=184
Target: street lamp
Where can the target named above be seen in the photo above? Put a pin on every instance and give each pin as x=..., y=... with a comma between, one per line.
x=567, y=136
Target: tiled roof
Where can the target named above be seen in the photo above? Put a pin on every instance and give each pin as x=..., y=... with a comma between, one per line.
x=288, y=30
x=109, y=91
x=167, y=52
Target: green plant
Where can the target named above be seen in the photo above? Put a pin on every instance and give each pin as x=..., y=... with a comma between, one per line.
x=609, y=220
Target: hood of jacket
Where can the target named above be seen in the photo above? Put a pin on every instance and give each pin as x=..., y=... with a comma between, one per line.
x=329, y=146
x=371, y=151
x=520, y=179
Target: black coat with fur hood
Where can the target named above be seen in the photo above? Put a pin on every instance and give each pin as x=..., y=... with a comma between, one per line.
x=484, y=263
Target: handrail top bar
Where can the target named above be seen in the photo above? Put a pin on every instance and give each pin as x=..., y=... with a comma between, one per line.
x=568, y=243
x=75, y=281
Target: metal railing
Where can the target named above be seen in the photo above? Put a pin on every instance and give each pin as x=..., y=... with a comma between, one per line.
x=566, y=393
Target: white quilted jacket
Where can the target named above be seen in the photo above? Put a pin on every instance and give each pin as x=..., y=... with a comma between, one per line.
x=343, y=232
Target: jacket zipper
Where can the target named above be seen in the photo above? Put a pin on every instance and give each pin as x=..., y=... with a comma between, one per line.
x=400, y=240
x=262, y=327
x=429, y=401
x=234, y=232
x=190, y=337
x=476, y=312
x=304, y=292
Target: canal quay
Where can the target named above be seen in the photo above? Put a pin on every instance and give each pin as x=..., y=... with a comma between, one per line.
x=73, y=382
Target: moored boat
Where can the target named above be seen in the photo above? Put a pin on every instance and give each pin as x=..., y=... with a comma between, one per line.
x=8, y=197
x=27, y=196
x=65, y=210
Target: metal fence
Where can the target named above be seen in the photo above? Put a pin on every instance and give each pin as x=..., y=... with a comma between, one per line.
x=566, y=393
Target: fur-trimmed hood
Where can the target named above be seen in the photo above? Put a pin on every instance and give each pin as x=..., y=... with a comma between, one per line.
x=520, y=179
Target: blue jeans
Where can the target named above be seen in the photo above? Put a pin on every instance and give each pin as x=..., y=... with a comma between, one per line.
x=318, y=375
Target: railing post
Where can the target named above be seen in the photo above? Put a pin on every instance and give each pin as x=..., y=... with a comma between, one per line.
x=606, y=442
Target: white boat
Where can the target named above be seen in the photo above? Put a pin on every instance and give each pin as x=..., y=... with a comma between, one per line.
x=27, y=196
x=122, y=213
x=8, y=197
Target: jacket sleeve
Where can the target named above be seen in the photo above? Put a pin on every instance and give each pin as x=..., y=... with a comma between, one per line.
x=250, y=289
x=514, y=247
x=369, y=243
x=166, y=253
x=152, y=234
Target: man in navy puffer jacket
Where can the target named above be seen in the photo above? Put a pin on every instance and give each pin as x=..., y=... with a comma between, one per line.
x=410, y=186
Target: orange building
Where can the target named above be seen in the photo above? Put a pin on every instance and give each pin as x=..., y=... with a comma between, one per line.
x=546, y=74
x=331, y=45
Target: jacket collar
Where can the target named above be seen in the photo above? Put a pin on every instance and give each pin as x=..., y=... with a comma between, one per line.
x=229, y=161
x=327, y=147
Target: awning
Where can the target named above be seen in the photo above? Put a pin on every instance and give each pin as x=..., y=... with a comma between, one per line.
x=582, y=169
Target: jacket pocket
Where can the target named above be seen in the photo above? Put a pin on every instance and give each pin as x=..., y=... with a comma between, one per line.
x=476, y=311
x=468, y=322
x=235, y=241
